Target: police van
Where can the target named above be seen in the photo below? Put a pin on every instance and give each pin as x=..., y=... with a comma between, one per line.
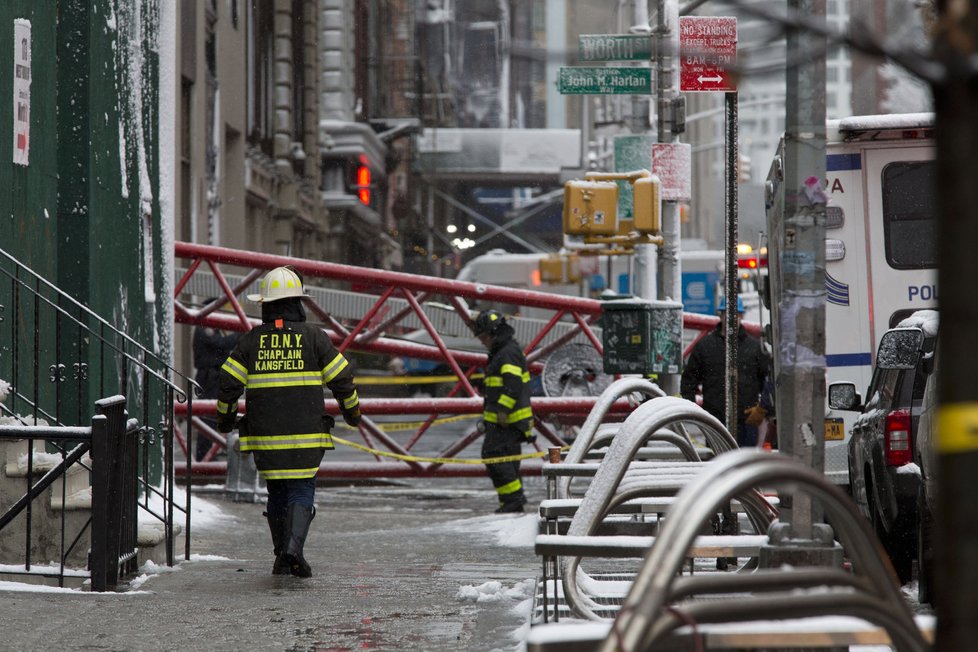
x=880, y=246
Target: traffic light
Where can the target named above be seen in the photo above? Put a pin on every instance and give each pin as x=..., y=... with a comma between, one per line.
x=647, y=196
x=743, y=169
x=590, y=208
x=363, y=183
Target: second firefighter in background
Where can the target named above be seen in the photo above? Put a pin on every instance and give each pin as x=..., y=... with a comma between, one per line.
x=507, y=418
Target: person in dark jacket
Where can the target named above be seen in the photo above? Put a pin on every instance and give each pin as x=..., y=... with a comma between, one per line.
x=705, y=370
x=211, y=348
x=507, y=419
x=282, y=365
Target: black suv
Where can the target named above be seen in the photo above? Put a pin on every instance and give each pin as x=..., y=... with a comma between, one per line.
x=927, y=501
x=884, y=473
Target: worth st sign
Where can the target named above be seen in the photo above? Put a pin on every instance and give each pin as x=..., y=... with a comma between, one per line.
x=614, y=47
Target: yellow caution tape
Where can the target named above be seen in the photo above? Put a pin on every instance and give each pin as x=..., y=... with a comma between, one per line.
x=441, y=460
x=409, y=380
x=412, y=425
x=957, y=428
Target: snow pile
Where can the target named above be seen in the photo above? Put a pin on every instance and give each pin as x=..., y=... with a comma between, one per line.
x=4, y=390
x=510, y=532
x=494, y=591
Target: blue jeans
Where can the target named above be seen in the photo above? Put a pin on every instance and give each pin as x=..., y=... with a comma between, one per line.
x=282, y=493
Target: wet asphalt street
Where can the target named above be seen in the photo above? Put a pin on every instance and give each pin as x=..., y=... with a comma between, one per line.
x=410, y=565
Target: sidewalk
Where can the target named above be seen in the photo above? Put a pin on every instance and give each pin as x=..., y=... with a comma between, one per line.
x=416, y=565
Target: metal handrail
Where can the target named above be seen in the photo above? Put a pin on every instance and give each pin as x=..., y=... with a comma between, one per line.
x=114, y=349
x=643, y=619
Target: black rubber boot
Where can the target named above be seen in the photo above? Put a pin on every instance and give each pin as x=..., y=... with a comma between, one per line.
x=276, y=526
x=513, y=505
x=296, y=528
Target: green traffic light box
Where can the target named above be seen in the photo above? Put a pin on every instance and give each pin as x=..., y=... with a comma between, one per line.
x=642, y=337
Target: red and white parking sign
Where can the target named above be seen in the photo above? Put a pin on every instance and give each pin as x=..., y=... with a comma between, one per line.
x=707, y=48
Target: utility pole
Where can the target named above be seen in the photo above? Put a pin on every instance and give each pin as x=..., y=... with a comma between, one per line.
x=798, y=311
x=670, y=123
x=956, y=103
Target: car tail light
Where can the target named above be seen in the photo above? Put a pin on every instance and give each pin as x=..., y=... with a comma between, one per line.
x=896, y=438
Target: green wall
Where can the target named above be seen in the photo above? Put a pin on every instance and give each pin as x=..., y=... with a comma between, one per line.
x=85, y=209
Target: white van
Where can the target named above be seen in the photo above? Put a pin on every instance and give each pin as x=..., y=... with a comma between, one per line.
x=880, y=246
x=702, y=276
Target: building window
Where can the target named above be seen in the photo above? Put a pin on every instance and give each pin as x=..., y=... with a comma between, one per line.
x=261, y=62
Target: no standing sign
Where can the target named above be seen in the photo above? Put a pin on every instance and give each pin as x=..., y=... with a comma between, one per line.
x=707, y=47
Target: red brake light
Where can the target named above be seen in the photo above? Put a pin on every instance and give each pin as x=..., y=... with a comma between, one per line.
x=896, y=438
x=751, y=263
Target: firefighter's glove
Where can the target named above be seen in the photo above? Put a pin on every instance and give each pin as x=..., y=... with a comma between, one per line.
x=481, y=426
x=531, y=437
x=755, y=415
x=225, y=422
x=352, y=418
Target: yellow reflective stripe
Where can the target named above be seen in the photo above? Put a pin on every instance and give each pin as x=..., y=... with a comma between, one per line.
x=957, y=428
x=289, y=379
x=494, y=381
x=526, y=376
x=509, y=488
x=489, y=416
x=282, y=442
x=331, y=370
x=507, y=401
x=236, y=369
x=519, y=415
x=351, y=401
x=225, y=408
x=512, y=369
x=289, y=474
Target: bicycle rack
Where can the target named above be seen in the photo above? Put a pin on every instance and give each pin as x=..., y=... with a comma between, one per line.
x=648, y=615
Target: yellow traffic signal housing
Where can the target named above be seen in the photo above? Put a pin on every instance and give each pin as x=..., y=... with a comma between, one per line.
x=560, y=268
x=647, y=198
x=590, y=208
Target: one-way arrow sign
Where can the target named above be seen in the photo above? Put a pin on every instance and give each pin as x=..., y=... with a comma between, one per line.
x=707, y=47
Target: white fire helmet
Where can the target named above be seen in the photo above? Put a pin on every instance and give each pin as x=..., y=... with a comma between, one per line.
x=280, y=283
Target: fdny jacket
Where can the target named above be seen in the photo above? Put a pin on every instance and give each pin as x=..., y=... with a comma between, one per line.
x=283, y=366
x=507, y=387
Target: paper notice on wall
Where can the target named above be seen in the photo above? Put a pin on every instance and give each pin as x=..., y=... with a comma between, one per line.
x=22, y=91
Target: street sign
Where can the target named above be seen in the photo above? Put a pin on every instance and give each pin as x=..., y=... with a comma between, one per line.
x=707, y=48
x=671, y=162
x=614, y=47
x=580, y=80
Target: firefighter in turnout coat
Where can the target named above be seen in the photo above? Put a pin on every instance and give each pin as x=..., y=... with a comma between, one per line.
x=507, y=419
x=283, y=365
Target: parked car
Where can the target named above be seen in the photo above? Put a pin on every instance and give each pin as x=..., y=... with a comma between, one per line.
x=884, y=473
x=926, y=457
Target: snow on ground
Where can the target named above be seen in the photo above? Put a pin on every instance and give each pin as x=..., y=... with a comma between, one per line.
x=517, y=532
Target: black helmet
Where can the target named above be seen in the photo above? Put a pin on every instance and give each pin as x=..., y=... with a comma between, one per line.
x=487, y=322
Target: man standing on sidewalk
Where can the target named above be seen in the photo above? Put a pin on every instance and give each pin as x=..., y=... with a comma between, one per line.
x=283, y=365
x=507, y=419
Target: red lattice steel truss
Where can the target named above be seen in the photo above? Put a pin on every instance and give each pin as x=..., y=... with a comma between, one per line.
x=367, y=334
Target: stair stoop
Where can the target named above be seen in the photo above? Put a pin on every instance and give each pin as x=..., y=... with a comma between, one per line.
x=151, y=540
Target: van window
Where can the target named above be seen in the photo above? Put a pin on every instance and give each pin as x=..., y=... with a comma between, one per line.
x=908, y=214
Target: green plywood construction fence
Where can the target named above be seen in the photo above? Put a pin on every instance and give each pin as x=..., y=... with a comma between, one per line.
x=83, y=210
